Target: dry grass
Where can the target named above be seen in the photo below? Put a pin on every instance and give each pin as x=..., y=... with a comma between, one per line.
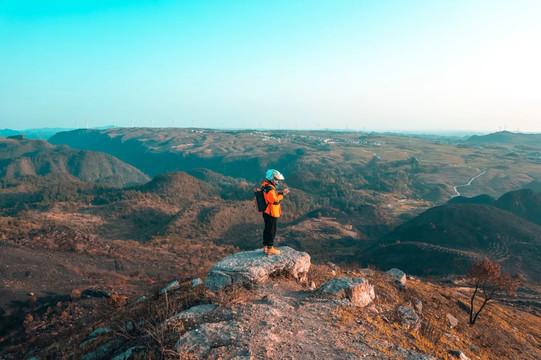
x=502, y=333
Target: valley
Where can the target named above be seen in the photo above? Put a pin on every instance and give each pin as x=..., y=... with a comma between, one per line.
x=124, y=211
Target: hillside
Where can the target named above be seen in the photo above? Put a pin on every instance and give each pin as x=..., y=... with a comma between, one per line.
x=448, y=238
x=507, y=138
x=524, y=203
x=21, y=159
x=279, y=317
x=327, y=163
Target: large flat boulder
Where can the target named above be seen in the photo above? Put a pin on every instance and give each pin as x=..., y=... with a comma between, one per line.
x=256, y=266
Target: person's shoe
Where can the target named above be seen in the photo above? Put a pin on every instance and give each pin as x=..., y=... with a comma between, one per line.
x=265, y=249
x=272, y=251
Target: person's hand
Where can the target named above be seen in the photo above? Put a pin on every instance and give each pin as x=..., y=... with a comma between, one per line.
x=286, y=191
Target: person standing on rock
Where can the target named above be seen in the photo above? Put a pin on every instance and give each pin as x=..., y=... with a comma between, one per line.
x=273, y=210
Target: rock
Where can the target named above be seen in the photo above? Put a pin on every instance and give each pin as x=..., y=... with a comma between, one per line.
x=407, y=316
x=141, y=298
x=126, y=354
x=399, y=277
x=453, y=322
x=474, y=349
x=202, y=340
x=92, y=337
x=172, y=286
x=418, y=305
x=451, y=336
x=357, y=290
x=312, y=285
x=103, y=351
x=99, y=331
x=463, y=305
x=366, y=272
x=459, y=354
x=196, y=282
x=412, y=355
x=255, y=266
x=196, y=313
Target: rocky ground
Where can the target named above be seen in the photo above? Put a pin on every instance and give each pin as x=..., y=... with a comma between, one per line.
x=283, y=307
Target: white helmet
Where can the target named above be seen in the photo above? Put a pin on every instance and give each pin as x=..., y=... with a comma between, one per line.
x=273, y=175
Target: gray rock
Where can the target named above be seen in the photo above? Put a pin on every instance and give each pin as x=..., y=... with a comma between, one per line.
x=172, y=286
x=255, y=266
x=474, y=349
x=202, y=340
x=357, y=290
x=418, y=305
x=366, y=272
x=453, y=322
x=196, y=313
x=99, y=331
x=399, y=276
x=93, y=336
x=126, y=354
x=196, y=282
x=407, y=316
x=103, y=351
x=459, y=354
x=412, y=355
x=463, y=305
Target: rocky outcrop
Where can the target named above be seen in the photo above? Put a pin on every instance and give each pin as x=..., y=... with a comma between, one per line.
x=255, y=266
x=407, y=316
x=357, y=290
x=399, y=277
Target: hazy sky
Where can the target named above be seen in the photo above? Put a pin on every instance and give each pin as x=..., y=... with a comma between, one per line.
x=374, y=65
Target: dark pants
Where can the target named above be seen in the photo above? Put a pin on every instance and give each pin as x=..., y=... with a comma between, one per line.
x=270, y=229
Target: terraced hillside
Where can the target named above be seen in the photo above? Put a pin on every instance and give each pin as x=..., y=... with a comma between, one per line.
x=448, y=238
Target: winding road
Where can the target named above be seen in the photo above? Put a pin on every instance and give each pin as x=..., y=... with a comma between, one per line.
x=469, y=182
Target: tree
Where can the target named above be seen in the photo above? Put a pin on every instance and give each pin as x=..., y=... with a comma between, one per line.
x=486, y=277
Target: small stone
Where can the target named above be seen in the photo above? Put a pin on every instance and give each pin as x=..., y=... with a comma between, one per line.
x=366, y=272
x=453, y=322
x=141, y=298
x=196, y=313
x=172, y=286
x=196, y=282
x=399, y=277
x=474, y=349
x=459, y=354
x=407, y=316
x=418, y=305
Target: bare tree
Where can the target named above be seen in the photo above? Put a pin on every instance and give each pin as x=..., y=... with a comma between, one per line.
x=486, y=277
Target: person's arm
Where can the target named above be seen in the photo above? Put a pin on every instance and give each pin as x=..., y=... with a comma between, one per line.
x=274, y=198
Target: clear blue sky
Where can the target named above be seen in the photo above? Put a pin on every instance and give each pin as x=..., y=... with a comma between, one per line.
x=374, y=65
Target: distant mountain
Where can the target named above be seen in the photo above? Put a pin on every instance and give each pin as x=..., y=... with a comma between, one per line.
x=448, y=238
x=21, y=158
x=524, y=203
x=506, y=137
x=41, y=133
